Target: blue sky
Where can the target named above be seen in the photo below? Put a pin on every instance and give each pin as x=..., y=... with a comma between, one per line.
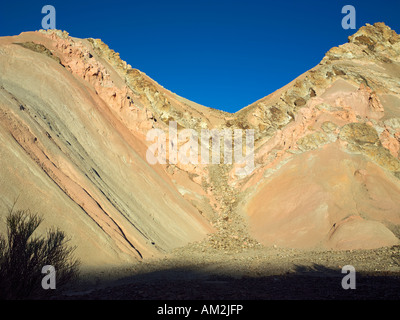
x=219, y=53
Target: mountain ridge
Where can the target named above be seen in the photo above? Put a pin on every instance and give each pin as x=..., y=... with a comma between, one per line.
x=74, y=119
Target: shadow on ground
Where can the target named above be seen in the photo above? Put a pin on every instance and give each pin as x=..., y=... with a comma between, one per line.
x=188, y=283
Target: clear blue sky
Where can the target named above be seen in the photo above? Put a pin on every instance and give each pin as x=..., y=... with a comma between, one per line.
x=223, y=54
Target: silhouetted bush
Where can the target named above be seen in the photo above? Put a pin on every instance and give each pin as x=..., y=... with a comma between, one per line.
x=23, y=255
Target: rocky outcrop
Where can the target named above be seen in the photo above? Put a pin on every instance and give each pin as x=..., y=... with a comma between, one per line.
x=362, y=138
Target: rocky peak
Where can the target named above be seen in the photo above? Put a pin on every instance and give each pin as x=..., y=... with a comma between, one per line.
x=377, y=34
x=376, y=42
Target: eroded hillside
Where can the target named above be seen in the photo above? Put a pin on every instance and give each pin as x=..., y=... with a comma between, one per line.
x=73, y=125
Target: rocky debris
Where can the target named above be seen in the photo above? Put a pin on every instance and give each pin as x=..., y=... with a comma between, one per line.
x=262, y=273
x=231, y=230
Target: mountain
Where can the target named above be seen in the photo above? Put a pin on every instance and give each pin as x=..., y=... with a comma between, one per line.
x=74, y=134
